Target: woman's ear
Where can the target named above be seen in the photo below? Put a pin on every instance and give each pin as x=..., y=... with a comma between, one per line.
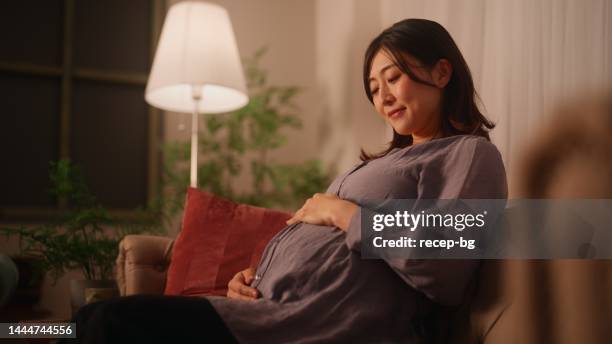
x=442, y=73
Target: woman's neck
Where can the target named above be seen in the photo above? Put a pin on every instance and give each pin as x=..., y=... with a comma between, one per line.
x=432, y=131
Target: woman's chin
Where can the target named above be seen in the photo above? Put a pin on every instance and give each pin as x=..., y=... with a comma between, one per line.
x=402, y=130
x=402, y=125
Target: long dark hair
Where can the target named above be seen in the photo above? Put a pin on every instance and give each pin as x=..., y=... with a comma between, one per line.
x=428, y=42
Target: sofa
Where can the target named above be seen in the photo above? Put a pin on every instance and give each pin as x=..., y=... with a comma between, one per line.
x=508, y=301
x=514, y=301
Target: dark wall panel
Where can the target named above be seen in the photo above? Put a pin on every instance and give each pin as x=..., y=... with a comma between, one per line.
x=109, y=139
x=31, y=31
x=29, y=139
x=112, y=34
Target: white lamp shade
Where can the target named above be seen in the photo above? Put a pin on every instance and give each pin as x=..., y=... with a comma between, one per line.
x=197, y=48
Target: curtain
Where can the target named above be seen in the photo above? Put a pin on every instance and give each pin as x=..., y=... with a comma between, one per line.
x=525, y=56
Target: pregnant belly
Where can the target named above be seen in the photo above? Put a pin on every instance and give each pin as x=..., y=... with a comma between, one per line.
x=306, y=259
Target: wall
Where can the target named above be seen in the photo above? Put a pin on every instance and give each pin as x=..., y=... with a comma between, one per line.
x=348, y=121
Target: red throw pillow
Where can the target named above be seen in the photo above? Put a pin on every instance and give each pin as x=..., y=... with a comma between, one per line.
x=219, y=238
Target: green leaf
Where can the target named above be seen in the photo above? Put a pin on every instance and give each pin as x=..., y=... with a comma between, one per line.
x=214, y=123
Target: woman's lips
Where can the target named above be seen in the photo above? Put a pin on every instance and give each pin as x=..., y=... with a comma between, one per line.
x=397, y=113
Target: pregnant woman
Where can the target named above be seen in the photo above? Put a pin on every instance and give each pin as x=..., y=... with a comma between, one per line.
x=311, y=284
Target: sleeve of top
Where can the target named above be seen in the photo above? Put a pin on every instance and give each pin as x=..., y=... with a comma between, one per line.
x=474, y=171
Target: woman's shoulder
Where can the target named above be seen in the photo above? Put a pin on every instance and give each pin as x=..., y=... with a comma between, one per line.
x=476, y=150
x=479, y=144
x=462, y=145
x=454, y=166
x=472, y=167
x=449, y=152
x=468, y=140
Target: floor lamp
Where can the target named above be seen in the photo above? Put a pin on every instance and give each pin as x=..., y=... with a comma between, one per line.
x=197, y=67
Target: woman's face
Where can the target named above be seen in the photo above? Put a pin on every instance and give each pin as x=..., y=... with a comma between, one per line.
x=410, y=107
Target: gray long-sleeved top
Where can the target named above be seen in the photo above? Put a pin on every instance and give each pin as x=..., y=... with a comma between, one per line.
x=316, y=288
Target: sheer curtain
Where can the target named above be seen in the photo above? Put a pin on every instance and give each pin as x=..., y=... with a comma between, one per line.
x=525, y=56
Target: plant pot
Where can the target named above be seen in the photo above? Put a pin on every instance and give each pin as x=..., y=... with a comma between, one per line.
x=31, y=277
x=95, y=290
x=9, y=275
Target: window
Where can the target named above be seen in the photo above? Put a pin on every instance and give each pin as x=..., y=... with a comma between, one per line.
x=72, y=80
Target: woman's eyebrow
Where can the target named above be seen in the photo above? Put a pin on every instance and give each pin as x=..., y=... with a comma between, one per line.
x=382, y=70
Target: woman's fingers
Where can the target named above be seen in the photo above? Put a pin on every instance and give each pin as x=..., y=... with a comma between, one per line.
x=297, y=217
x=233, y=295
x=248, y=291
x=242, y=289
x=238, y=288
x=249, y=276
x=316, y=210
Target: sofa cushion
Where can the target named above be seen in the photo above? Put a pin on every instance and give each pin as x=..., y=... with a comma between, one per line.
x=219, y=238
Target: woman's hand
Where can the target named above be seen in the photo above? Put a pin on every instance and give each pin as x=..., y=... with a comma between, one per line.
x=238, y=287
x=326, y=210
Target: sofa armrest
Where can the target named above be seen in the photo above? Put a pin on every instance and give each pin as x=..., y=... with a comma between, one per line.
x=142, y=264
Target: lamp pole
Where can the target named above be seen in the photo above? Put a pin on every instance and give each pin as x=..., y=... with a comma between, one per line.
x=196, y=95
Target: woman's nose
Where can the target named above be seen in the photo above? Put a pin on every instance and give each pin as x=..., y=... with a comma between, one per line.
x=386, y=95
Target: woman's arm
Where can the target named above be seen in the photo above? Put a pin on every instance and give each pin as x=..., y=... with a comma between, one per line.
x=475, y=172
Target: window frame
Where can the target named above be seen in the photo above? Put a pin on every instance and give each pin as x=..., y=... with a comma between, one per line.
x=67, y=73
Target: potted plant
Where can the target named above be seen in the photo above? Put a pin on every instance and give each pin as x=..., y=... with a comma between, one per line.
x=83, y=237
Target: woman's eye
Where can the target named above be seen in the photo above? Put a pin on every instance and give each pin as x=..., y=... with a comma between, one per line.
x=394, y=79
x=374, y=91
